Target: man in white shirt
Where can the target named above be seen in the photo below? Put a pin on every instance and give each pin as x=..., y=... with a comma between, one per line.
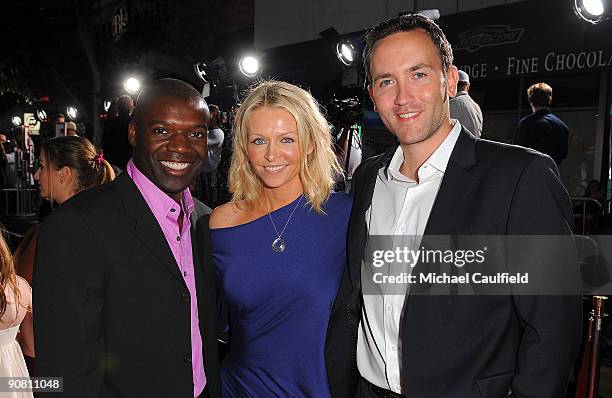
x=390, y=341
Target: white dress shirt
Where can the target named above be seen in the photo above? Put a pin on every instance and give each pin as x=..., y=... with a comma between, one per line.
x=400, y=207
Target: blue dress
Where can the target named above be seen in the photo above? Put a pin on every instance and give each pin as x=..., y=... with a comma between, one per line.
x=278, y=304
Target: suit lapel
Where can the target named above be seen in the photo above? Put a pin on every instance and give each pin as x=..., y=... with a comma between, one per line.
x=146, y=228
x=457, y=181
x=207, y=293
x=202, y=256
x=358, y=232
x=200, y=246
x=193, y=221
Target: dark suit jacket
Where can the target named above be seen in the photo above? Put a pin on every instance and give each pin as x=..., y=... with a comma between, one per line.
x=111, y=309
x=470, y=346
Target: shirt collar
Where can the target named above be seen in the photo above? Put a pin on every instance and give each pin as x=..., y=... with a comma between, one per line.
x=438, y=159
x=542, y=111
x=159, y=202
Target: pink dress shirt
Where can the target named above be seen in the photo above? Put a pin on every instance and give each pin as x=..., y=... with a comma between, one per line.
x=166, y=212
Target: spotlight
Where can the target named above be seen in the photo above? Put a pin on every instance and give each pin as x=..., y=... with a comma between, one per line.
x=71, y=111
x=41, y=115
x=200, y=71
x=107, y=105
x=16, y=121
x=132, y=85
x=593, y=7
x=592, y=11
x=249, y=66
x=345, y=52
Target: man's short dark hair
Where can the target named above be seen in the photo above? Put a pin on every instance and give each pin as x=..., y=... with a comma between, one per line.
x=540, y=95
x=166, y=87
x=407, y=23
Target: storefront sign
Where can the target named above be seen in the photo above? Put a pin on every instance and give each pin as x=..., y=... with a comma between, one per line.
x=527, y=39
x=488, y=36
x=550, y=62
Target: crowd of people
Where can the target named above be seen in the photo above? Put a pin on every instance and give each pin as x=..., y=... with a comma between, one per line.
x=135, y=277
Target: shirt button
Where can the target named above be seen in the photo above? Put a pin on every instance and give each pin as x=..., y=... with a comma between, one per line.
x=178, y=238
x=186, y=297
x=188, y=358
x=389, y=308
x=397, y=388
x=393, y=348
x=403, y=228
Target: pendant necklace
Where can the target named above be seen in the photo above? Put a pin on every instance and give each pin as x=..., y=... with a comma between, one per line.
x=278, y=245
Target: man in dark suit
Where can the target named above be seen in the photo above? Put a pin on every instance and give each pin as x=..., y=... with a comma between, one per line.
x=542, y=130
x=124, y=289
x=441, y=180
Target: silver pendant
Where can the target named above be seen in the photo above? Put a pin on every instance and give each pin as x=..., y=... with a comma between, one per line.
x=278, y=245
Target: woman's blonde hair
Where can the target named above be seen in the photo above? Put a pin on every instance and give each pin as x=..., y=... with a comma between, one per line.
x=317, y=169
x=8, y=277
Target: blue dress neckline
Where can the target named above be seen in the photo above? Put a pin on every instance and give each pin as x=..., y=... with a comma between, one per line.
x=265, y=216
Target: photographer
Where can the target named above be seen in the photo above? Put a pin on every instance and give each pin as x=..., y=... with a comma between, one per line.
x=346, y=114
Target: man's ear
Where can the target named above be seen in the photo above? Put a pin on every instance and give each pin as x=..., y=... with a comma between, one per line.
x=451, y=81
x=371, y=93
x=132, y=133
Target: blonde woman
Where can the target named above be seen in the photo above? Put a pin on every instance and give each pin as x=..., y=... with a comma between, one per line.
x=279, y=245
x=15, y=321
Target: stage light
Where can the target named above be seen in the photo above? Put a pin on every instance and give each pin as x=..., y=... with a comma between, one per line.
x=16, y=121
x=72, y=113
x=41, y=115
x=345, y=52
x=132, y=85
x=107, y=105
x=593, y=7
x=249, y=66
x=593, y=11
x=200, y=71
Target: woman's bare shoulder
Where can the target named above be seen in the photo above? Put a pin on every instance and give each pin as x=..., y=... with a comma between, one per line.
x=229, y=215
